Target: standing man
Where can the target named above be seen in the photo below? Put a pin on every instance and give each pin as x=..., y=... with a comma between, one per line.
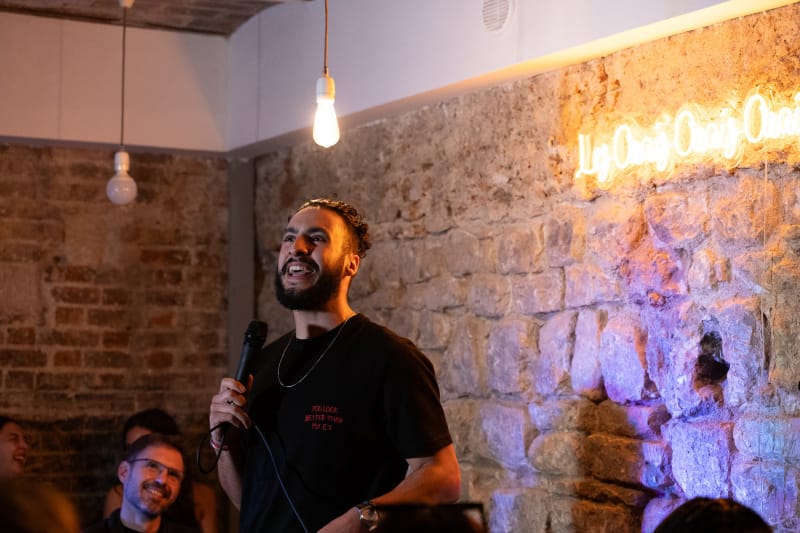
x=13, y=448
x=151, y=476
x=343, y=414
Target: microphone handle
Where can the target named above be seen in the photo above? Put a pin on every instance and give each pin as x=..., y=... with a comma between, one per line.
x=254, y=338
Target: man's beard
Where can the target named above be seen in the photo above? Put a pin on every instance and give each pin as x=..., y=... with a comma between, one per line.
x=314, y=297
x=146, y=505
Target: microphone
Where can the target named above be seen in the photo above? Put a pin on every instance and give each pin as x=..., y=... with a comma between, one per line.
x=254, y=338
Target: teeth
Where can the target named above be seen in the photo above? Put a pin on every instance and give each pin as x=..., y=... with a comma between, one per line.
x=157, y=492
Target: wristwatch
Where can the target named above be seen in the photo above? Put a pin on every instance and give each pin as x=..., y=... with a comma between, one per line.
x=368, y=515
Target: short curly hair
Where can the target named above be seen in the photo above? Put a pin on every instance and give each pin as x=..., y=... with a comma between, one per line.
x=361, y=241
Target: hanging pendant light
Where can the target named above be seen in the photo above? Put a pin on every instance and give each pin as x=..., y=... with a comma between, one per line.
x=121, y=189
x=326, y=126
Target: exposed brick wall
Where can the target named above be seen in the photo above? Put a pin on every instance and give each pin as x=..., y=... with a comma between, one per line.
x=567, y=321
x=107, y=310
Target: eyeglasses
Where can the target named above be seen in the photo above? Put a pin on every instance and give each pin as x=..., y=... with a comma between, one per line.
x=155, y=468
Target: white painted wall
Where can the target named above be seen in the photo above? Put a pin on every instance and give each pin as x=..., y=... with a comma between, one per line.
x=390, y=56
x=60, y=80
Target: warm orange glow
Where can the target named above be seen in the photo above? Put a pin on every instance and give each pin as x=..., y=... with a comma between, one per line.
x=694, y=134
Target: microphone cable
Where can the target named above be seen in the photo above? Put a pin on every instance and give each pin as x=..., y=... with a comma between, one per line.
x=280, y=479
x=202, y=444
x=272, y=459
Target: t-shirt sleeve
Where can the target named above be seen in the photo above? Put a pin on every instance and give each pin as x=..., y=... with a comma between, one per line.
x=414, y=416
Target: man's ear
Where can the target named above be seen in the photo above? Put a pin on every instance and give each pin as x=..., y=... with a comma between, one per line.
x=352, y=264
x=123, y=471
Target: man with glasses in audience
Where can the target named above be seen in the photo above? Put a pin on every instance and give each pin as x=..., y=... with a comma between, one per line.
x=151, y=476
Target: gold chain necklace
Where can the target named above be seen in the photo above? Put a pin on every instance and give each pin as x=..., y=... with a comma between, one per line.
x=341, y=328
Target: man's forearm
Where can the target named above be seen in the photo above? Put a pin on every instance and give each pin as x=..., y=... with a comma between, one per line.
x=434, y=480
x=229, y=471
x=226, y=412
x=430, y=480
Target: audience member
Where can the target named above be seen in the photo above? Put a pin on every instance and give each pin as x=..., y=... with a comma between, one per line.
x=707, y=515
x=31, y=507
x=197, y=502
x=13, y=448
x=151, y=476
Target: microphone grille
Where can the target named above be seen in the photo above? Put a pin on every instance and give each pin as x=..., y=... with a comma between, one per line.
x=256, y=332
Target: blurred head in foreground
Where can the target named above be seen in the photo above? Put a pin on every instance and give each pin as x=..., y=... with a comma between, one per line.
x=31, y=507
x=707, y=515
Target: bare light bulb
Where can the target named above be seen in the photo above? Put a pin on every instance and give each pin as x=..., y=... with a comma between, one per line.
x=121, y=189
x=326, y=127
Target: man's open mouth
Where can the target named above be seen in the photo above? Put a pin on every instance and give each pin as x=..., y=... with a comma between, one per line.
x=297, y=268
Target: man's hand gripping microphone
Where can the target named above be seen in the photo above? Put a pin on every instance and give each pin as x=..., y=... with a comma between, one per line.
x=254, y=338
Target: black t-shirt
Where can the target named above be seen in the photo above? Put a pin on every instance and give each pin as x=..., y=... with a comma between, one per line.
x=113, y=524
x=341, y=434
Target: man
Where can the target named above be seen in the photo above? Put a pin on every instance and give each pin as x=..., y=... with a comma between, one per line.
x=151, y=476
x=196, y=504
x=13, y=448
x=342, y=414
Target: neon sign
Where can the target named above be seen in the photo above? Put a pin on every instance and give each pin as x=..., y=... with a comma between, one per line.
x=693, y=134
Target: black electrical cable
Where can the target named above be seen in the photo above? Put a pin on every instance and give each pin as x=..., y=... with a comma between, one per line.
x=202, y=445
x=272, y=459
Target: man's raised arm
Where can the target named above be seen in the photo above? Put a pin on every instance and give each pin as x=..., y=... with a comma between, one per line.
x=226, y=407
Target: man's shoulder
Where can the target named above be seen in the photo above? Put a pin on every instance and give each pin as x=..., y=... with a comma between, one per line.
x=112, y=524
x=172, y=527
x=103, y=526
x=378, y=339
x=366, y=327
x=99, y=527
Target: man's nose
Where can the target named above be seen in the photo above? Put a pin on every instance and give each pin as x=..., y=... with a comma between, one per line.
x=301, y=246
x=162, y=476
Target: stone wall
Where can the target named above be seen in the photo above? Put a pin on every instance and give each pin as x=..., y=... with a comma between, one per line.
x=107, y=310
x=605, y=350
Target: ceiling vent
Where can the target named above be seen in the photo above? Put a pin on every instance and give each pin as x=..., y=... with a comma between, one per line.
x=496, y=14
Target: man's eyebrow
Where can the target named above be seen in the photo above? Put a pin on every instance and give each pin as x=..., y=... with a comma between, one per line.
x=313, y=229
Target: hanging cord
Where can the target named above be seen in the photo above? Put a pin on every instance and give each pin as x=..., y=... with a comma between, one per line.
x=206, y=441
x=218, y=453
x=122, y=92
x=325, y=58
